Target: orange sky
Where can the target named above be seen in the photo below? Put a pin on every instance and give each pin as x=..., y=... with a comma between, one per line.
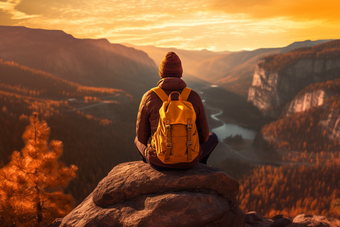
x=186, y=24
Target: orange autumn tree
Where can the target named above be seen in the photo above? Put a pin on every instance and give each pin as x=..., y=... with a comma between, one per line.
x=336, y=204
x=32, y=182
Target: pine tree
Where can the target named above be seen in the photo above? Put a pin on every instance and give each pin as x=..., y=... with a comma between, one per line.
x=336, y=204
x=32, y=182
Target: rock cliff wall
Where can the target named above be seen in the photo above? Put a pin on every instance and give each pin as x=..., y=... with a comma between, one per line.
x=306, y=101
x=271, y=90
x=331, y=124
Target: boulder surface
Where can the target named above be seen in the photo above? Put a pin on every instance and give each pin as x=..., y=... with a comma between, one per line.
x=305, y=220
x=134, y=194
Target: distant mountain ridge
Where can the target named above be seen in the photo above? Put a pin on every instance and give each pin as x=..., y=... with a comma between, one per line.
x=189, y=58
x=85, y=61
x=231, y=70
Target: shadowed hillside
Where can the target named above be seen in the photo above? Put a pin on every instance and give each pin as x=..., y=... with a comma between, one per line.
x=27, y=81
x=84, y=61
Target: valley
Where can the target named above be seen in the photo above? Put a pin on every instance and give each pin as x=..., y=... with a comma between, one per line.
x=90, y=101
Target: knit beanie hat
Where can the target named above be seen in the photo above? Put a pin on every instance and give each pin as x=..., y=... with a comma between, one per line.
x=170, y=66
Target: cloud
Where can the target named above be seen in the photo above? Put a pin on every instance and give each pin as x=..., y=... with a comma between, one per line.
x=291, y=9
x=194, y=24
x=10, y=13
x=46, y=7
x=5, y=18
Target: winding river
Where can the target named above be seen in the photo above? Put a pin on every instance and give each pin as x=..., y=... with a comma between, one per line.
x=231, y=129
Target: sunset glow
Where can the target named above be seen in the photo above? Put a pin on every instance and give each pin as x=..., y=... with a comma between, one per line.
x=199, y=24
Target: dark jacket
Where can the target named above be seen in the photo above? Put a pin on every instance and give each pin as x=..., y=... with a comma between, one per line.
x=148, y=117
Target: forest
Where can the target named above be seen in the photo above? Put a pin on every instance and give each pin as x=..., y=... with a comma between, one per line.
x=292, y=189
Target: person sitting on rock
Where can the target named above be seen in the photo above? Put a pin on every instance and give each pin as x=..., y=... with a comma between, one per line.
x=170, y=71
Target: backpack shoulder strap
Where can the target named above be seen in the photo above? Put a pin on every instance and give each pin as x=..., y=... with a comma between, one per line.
x=185, y=93
x=161, y=94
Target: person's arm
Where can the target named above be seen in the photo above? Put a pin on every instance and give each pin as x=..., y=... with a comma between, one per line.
x=201, y=119
x=143, y=130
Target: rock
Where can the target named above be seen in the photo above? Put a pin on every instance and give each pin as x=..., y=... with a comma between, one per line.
x=252, y=216
x=304, y=220
x=306, y=101
x=134, y=194
x=331, y=123
x=55, y=223
x=281, y=222
x=254, y=219
x=277, y=217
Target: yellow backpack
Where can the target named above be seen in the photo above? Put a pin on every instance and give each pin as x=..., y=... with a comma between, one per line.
x=176, y=138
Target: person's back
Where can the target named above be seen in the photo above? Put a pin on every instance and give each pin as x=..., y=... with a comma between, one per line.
x=170, y=71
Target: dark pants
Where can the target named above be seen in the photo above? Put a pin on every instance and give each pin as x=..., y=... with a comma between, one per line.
x=207, y=148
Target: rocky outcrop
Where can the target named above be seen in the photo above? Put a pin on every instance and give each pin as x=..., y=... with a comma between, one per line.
x=302, y=220
x=331, y=124
x=133, y=194
x=271, y=90
x=330, y=120
x=305, y=101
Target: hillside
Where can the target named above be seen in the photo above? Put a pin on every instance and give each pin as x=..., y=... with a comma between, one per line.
x=27, y=81
x=85, y=61
x=292, y=189
x=315, y=129
x=73, y=112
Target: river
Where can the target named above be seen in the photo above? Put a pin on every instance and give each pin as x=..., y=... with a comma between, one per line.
x=231, y=129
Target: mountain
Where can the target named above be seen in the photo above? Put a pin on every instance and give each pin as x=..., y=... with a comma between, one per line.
x=88, y=62
x=278, y=78
x=231, y=70
x=189, y=58
x=234, y=71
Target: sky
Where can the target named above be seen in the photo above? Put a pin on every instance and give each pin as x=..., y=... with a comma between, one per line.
x=216, y=25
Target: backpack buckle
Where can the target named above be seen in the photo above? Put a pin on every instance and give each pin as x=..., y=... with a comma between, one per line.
x=189, y=143
x=189, y=127
x=168, y=145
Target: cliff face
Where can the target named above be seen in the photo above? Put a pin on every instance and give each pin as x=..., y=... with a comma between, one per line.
x=331, y=124
x=330, y=120
x=271, y=90
x=306, y=101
